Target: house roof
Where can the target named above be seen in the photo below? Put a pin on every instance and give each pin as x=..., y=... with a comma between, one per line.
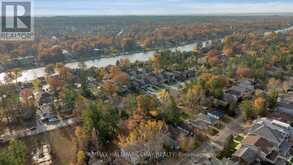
x=206, y=118
x=229, y=97
x=281, y=161
x=272, y=156
x=261, y=143
x=45, y=98
x=217, y=112
x=268, y=133
x=246, y=154
x=267, y=130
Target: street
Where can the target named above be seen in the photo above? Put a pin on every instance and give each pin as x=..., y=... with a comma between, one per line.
x=40, y=128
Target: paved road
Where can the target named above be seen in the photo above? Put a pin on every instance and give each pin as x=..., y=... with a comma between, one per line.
x=40, y=128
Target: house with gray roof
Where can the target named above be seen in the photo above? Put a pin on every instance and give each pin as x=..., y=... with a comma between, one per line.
x=285, y=104
x=246, y=155
x=266, y=141
x=275, y=131
x=244, y=88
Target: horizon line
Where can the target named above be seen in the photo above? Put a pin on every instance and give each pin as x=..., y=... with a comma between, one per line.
x=199, y=14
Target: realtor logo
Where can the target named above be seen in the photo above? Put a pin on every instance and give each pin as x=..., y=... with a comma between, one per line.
x=16, y=20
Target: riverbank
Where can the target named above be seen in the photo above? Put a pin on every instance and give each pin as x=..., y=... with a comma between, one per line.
x=32, y=74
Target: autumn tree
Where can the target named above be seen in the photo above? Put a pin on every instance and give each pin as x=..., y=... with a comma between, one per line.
x=228, y=51
x=36, y=84
x=27, y=98
x=213, y=58
x=80, y=157
x=214, y=84
x=247, y=110
x=100, y=73
x=193, y=97
x=64, y=72
x=85, y=90
x=243, y=72
x=13, y=74
x=164, y=95
x=145, y=131
x=187, y=143
x=130, y=105
x=155, y=60
x=110, y=87
x=15, y=154
x=259, y=105
x=80, y=104
x=8, y=99
x=272, y=98
x=146, y=103
x=50, y=69
x=54, y=83
x=103, y=118
x=68, y=96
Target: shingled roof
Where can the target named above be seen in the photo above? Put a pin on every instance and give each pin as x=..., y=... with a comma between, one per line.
x=261, y=143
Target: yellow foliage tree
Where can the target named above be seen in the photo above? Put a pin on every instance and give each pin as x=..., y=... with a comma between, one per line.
x=80, y=158
x=186, y=143
x=155, y=60
x=259, y=104
x=144, y=131
x=164, y=95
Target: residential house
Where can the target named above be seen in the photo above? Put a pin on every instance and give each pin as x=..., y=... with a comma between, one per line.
x=266, y=141
x=230, y=98
x=179, y=76
x=278, y=133
x=246, y=155
x=244, y=88
x=150, y=79
x=200, y=125
x=170, y=77
x=285, y=104
x=216, y=114
x=45, y=98
x=175, y=90
x=161, y=78
x=205, y=118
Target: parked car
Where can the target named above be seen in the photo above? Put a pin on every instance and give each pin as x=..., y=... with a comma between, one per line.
x=2, y=141
x=53, y=120
x=32, y=128
x=46, y=116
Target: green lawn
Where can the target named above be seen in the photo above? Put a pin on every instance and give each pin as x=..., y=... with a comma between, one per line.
x=239, y=138
x=228, y=152
x=226, y=119
x=219, y=126
x=212, y=131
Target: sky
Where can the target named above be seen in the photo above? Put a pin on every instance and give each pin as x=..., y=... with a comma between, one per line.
x=159, y=7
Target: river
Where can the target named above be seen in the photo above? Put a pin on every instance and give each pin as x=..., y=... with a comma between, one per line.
x=31, y=74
